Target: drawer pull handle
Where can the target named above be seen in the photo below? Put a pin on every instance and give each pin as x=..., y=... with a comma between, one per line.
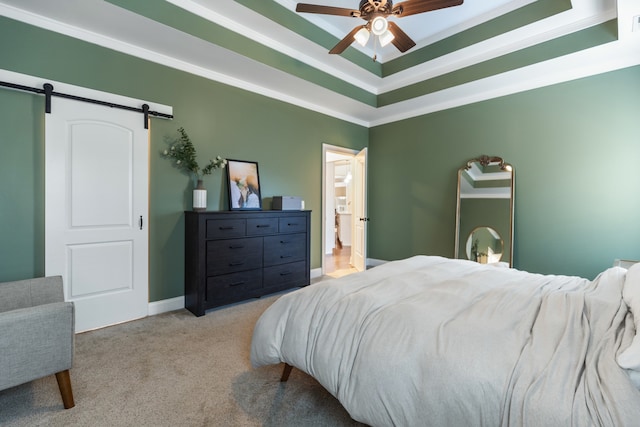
x=285, y=273
x=235, y=264
x=292, y=224
x=229, y=227
x=285, y=242
x=236, y=247
x=237, y=283
x=263, y=226
x=285, y=256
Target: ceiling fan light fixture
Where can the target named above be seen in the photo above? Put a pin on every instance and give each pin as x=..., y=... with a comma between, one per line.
x=379, y=25
x=374, y=12
x=362, y=36
x=385, y=38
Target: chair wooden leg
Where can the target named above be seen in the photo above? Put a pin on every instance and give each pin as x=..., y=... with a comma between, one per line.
x=64, y=384
x=286, y=372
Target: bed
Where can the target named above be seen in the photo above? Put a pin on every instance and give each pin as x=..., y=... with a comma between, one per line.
x=441, y=342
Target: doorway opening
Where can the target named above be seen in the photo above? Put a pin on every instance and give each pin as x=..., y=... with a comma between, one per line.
x=344, y=193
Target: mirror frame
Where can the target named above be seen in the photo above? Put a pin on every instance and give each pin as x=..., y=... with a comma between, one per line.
x=485, y=160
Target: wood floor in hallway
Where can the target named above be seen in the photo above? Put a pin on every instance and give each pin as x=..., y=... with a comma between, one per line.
x=338, y=263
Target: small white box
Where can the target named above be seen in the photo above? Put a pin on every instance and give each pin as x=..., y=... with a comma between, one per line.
x=286, y=203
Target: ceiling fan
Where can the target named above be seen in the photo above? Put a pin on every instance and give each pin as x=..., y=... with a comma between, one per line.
x=376, y=12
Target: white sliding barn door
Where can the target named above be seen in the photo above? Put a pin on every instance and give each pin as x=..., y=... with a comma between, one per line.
x=96, y=210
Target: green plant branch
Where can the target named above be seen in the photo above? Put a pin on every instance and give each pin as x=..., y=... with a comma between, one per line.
x=184, y=157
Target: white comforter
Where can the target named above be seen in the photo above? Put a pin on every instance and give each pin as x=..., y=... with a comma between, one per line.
x=430, y=341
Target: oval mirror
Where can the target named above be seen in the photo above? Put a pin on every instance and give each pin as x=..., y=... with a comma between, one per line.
x=484, y=245
x=485, y=208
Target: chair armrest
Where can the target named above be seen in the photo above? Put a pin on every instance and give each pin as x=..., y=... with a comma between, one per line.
x=36, y=342
x=30, y=292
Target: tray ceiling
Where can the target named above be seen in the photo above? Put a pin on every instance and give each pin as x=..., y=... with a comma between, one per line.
x=464, y=54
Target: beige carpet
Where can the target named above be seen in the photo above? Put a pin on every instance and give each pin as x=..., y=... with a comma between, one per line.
x=175, y=369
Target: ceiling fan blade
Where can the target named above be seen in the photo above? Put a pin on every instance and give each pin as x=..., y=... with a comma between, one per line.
x=400, y=39
x=412, y=7
x=345, y=42
x=327, y=10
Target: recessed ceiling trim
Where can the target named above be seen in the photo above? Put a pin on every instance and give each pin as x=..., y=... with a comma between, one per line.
x=544, y=30
x=178, y=21
x=452, y=30
x=522, y=17
x=537, y=52
x=504, y=44
x=230, y=68
x=600, y=59
x=290, y=44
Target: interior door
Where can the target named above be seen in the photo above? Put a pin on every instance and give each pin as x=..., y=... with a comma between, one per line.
x=359, y=243
x=96, y=210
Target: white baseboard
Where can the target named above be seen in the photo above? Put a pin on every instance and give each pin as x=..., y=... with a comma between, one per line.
x=165, y=305
x=315, y=273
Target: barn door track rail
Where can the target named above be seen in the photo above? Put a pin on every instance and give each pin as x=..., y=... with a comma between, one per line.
x=48, y=92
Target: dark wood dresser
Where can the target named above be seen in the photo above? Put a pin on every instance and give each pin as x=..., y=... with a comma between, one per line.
x=235, y=255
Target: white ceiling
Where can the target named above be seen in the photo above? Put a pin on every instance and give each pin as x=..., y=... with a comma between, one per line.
x=102, y=23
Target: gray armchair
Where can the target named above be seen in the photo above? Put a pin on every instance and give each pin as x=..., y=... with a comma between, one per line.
x=36, y=334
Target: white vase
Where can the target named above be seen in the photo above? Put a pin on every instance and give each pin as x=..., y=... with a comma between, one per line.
x=199, y=197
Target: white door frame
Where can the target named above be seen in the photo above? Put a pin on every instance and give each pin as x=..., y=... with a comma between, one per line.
x=328, y=148
x=360, y=216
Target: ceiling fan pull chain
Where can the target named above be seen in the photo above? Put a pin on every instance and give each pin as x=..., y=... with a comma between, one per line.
x=375, y=49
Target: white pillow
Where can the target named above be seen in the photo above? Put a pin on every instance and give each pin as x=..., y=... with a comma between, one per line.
x=630, y=358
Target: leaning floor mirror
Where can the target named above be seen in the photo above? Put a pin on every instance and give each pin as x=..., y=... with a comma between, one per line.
x=484, y=214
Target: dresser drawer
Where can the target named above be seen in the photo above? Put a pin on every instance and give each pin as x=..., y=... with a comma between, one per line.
x=226, y=228
x=262, y=226
x=285, y=276
x=294, y=224
x=234, y=287
x=284, y=248
x=229, y=256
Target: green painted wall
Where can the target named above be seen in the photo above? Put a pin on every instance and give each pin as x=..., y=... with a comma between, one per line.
x=575, y=148
x=21, y=186
x=285, y=140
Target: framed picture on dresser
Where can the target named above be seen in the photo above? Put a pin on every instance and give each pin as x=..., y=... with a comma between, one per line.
x=243, y=183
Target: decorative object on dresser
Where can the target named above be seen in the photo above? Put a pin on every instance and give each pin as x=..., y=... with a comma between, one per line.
x=243, y=183
x=287, y=203
x=233, y=256
x=184, y=154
